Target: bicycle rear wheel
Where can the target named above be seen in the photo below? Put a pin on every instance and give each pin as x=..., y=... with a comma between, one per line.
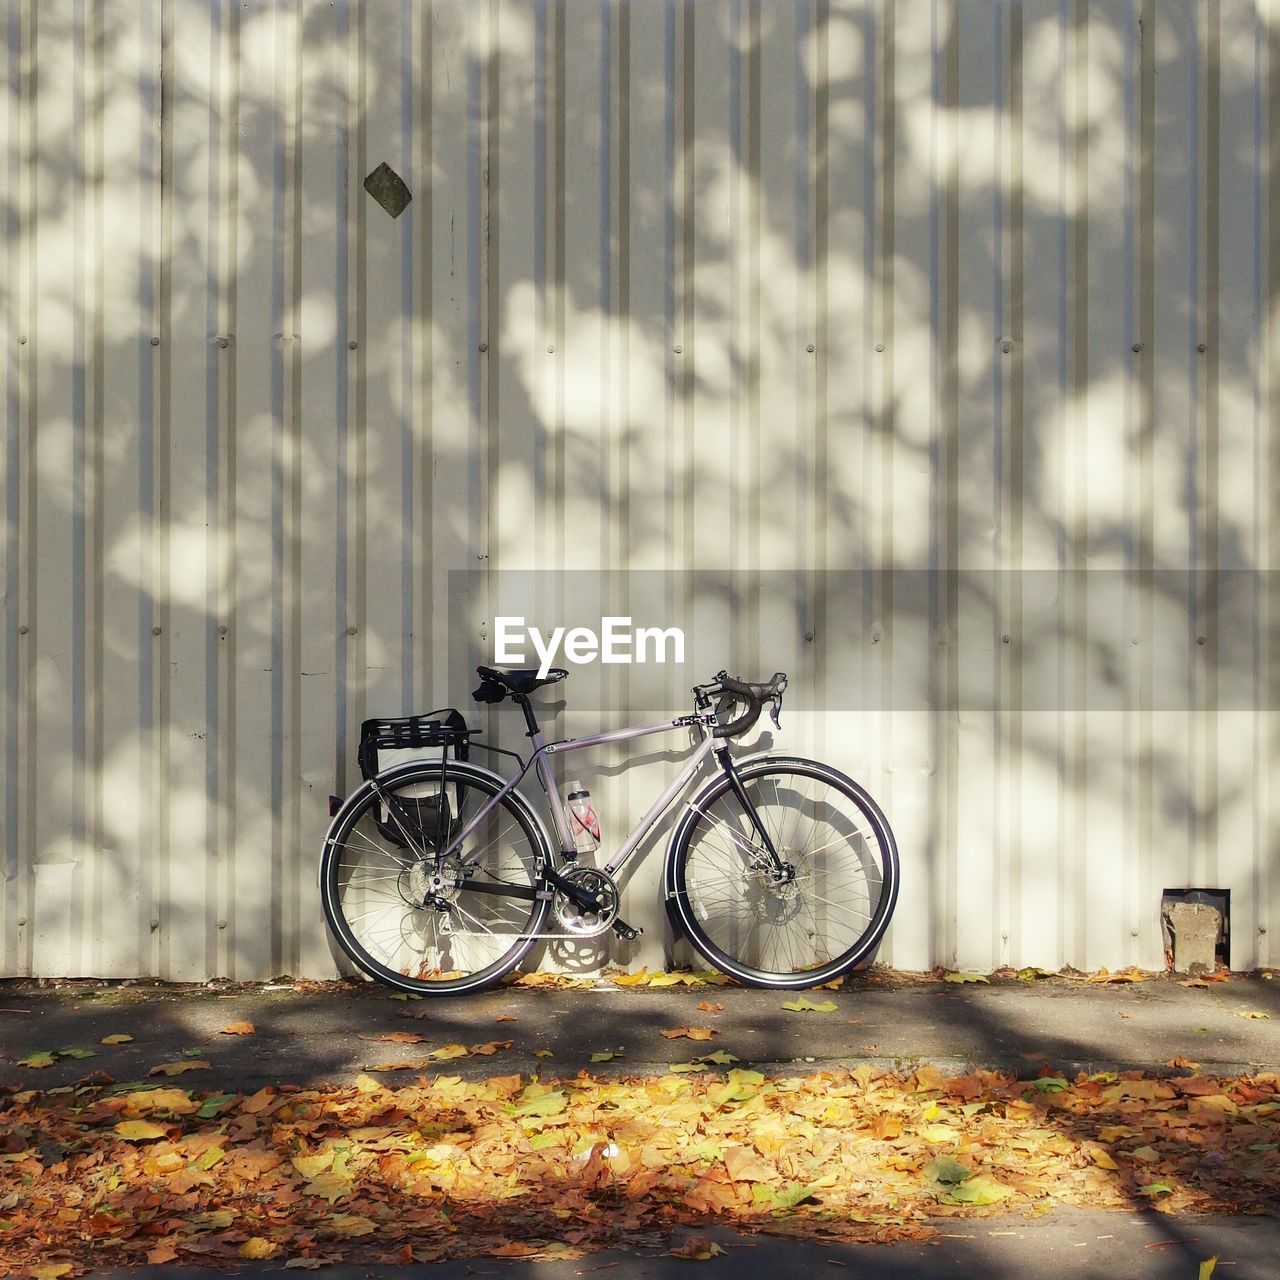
x=423, y=924
x=823, y=917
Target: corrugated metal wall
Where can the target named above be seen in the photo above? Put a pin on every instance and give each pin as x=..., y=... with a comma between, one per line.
x=982, y=290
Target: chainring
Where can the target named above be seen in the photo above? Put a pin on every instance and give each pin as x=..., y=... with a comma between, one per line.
x=577, y=923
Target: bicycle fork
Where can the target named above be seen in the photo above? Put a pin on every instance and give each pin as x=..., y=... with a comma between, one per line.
x=780, y=870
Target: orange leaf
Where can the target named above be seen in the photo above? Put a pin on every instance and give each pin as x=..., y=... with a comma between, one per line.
x=178, y=1068
x=241, y=1028
x=506, y=1017
x=161, y=1253
x=697, y=1247
x=487, y=1050
x=395, y=1037
x=257, y=1247
x=710, y=1006
x=692, y=1033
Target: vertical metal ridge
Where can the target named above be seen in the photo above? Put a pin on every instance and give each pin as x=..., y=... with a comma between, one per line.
x=1013, y=481
x=947, y=336
x=686, y=337
x=1271, y=490
x=293, y=862
x=79, y=373
x=424, y=349
x=1146, y=421
x=227, y=96
x=1210, y=338
x=1071, y=924
x=820, y=303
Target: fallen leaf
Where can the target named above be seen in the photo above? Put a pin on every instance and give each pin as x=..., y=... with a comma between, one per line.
x=179, y=1068
x=40, y=1058
x=1185, y=1063
x=719, y=1057
x=980, y=1190
x=697, y=1247
x=445, y=1052
x=710, y=1006
x=257, y=1247
x=804, y=1005
x=119, y=1038
x=51, y=1270
x=965, y=977
x=604, y=1057
x=139, y=1131
x=492, y=1047
x=241, y=1028
x=395, y=1037
x=76, y=1054
x=1156, y=1189
x=744, y=1165
x=543, y=1053
x=1250, y=1013
x=1206, y=1267
x=163, y=1252
x=692, y=1033
x=506, y=1017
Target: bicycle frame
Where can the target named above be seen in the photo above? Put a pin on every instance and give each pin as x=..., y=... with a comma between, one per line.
x=541, y=762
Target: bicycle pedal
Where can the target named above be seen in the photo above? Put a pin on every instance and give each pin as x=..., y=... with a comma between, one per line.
x=627, y=932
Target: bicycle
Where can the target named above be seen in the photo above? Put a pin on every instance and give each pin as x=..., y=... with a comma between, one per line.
x=437, y=875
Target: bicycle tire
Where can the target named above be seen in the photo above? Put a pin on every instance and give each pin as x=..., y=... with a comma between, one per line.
x=375, y=890
x=802, y=932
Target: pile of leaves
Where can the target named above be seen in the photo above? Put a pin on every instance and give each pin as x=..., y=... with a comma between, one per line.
x=519, y=1166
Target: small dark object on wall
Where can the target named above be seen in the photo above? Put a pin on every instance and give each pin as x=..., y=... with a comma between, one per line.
x=387, y=187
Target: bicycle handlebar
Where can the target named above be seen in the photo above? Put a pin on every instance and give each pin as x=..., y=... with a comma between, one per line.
x=733, y=690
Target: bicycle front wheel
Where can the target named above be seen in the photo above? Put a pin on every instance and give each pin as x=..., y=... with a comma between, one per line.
x=826, y=911
x=420, y=922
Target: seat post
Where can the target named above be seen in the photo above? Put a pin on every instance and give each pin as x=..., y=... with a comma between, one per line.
x=529, y=718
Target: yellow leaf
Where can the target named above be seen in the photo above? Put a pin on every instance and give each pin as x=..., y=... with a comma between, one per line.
x=1251, y=1013
x=176, y=1101
x=310, y=1167
x=349, y=1224
x=604, y=1057
x=965, y=977
x=179, y=1068
x=543, y=1053
x=632, y=979
x=1102, y=1158
x=364, y=1084
x=938, y=1133
x=1207, y=1266
x=257, y=1247
x=51, y=1270
x=139, y=1131
x=802, y=1004
x=119, y=1038
x=445, y=1052
x=744, y=1165
x=329, y=1186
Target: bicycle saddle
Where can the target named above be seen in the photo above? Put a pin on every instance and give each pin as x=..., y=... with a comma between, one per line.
x=518, y=682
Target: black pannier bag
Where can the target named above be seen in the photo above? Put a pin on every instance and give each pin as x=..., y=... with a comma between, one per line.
x=422, y=816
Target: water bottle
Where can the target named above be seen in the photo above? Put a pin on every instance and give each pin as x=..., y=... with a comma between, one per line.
x=584, y=822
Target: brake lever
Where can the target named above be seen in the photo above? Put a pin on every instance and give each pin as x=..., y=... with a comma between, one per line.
x=775, y=711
